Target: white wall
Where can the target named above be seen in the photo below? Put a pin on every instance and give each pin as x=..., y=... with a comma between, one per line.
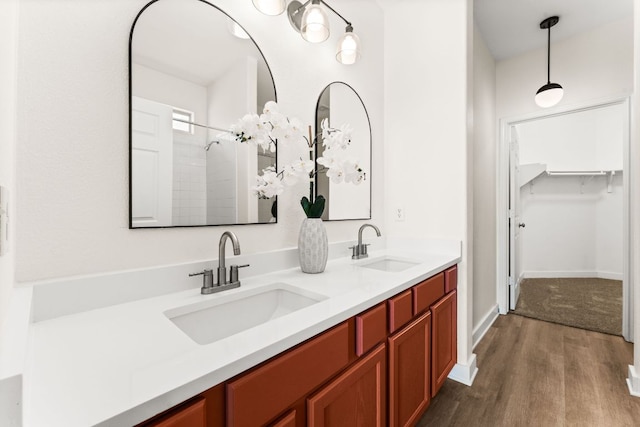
x=426, y=142
x=72, y=157
x=484, y=182
x=590, y=66
x=569, y=233
x=588, y=140
x=8, y=99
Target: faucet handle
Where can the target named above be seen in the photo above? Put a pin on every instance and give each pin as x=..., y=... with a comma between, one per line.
x=234, y=272
x=207, y=280
x=203, y=272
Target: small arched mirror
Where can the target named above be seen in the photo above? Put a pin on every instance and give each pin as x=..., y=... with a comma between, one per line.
x=193, y=72
x=341, y=105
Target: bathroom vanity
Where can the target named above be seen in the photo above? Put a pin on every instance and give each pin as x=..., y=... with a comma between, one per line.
x=339, y=377
x=370, y=340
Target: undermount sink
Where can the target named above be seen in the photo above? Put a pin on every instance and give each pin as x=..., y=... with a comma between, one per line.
x=390, y=264
x=215, y=319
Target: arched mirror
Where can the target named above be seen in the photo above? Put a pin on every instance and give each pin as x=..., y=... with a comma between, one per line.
x=341, y=105
x=193, y=72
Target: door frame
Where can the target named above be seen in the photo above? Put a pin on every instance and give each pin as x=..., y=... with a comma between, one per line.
x=502, y=201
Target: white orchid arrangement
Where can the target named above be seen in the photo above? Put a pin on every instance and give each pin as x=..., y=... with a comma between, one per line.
x=271, y=127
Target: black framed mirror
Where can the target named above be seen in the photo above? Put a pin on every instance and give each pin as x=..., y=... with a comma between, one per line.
x=340, y=104
x=193, y=71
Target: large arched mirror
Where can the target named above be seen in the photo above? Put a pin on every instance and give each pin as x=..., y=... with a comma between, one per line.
x=341, y=105
x=193, y=72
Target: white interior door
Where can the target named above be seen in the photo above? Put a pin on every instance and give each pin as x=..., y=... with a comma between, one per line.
x=515, y=243
x=151, y=163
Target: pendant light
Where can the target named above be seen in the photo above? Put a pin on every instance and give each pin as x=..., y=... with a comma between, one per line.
x=551, y=93
x=314, y=25
x=348, y=47
x=270, y=7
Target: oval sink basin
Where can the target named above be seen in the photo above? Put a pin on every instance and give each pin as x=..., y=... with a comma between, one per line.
x=208, y=321
x=389, y=264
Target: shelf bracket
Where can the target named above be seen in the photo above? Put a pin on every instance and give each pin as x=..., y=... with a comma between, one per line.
x=610, y=181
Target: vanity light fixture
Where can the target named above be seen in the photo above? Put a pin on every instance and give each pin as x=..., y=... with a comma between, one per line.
x=311, y=21
x=270, y=7
x=551, y=93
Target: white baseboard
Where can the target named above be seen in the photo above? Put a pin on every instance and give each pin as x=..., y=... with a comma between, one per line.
x=559, y=274
x=481, y=329
x=633, y=382
x=465, y=374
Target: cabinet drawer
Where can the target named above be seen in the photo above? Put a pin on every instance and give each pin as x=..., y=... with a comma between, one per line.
x=260, y=395
x=400, y=310
x=191, y=415
x=371, y=328
x=450, y=279
x=427, y=292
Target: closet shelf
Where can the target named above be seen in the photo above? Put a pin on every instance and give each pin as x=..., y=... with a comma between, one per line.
x=584, y=173
x=530, y=171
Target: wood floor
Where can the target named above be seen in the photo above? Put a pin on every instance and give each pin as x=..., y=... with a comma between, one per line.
x=534, y=373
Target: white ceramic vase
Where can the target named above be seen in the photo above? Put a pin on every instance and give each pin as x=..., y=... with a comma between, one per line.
x=313, y=246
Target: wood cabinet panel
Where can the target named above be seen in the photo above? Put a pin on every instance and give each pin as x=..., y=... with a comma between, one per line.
x=259, y=396
x=400, y=310
x=444, y=347
x=410, y=372
x=355, y=398
x=427, y=292
x=190, y=415
x=451, y=279
x=371, y=328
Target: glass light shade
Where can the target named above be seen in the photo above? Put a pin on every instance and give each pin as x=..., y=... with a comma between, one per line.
x=237, y=30
x=314, y=26
x=270, y=7
x=549, y=95
x=348, y=48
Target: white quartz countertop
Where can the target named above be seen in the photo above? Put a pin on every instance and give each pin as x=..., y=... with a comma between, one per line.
x=122, y=364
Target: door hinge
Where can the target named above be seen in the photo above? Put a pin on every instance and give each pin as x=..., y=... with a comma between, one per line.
x=512, y=281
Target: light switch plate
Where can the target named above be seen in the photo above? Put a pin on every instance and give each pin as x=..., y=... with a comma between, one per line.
x=4, y=220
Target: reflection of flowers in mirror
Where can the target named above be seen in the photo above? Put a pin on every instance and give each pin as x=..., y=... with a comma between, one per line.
x=272, y=127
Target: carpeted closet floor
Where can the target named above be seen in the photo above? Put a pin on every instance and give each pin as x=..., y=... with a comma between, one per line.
x=586, y=303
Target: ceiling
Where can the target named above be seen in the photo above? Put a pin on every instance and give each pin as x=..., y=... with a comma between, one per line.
x=512, y=27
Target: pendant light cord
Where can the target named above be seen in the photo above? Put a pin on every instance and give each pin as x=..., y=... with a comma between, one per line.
x=549, y=55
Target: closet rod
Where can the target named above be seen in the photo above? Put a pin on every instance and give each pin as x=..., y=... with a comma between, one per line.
x=584, y=173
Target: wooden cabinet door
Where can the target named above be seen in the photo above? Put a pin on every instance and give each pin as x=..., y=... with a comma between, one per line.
x=357, y=397
x=444, y=345
x=409, y=372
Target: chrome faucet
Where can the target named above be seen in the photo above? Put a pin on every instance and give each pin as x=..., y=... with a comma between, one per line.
x=208, y=285
x=360, y=250
x=222, y=269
